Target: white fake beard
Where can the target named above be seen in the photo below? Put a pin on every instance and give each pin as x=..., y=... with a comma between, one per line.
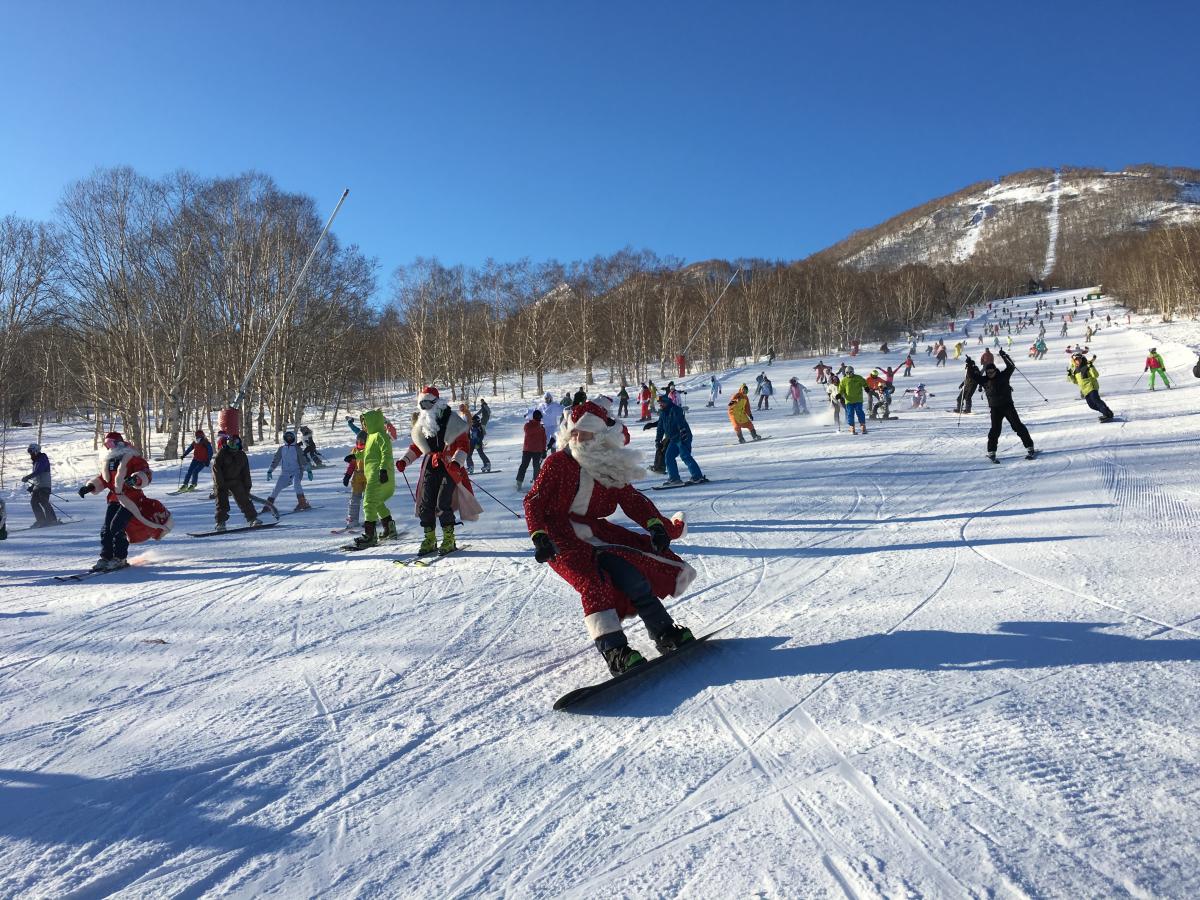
x=606, y=458
x=427, y=420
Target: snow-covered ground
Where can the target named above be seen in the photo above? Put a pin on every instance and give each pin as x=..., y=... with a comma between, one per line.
x=939, y=677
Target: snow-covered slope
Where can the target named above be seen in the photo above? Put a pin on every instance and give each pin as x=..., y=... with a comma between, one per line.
x=940, y=677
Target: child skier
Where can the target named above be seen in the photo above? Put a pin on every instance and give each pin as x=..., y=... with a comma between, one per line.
x=131, y=516
x=618, y=572
x=293, y=464
x=714, y=390
x=356, y=481
x=39, y=488
x=201, y=450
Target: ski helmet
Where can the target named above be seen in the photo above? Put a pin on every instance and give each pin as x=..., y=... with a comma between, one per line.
x=289, y=437
x=35, y=448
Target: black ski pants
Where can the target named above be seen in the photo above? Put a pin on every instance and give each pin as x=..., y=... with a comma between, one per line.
x=43, y=512
x=114, y=543
x=633, y=584
x=999, y=415
x=1093, y=400
x=623, y=407
x=437, y=494
x=241, y=496
x=527, y=457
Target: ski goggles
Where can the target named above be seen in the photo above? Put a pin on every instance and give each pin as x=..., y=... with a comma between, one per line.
x=427, y=403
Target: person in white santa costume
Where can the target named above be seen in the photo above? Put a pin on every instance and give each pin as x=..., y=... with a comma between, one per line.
x=618, y=572
x=440, y=438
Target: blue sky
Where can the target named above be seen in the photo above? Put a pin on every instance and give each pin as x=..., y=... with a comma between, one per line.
x=565, y=129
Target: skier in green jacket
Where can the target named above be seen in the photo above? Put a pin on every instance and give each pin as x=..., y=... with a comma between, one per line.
x=850, y=389
x=377, y=470
x=1086, y=376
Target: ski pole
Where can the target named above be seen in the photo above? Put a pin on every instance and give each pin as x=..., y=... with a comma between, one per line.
x=493, y=496
x=179, y=474
x=63, y=499
x=410, y=490
x=1139, y=380
x=1032, y=385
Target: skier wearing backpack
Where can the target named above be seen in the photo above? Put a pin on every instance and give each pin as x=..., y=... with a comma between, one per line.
x=293, y=465
x=231, y=475
x=201, y=450
x=996, y=387
x=131, y=516
x=618, y=572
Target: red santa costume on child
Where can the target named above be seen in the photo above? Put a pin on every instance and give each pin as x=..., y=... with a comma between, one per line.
x=618, y=572
x=131, y=516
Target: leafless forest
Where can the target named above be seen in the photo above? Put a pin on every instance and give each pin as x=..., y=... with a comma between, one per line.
x=141, y=305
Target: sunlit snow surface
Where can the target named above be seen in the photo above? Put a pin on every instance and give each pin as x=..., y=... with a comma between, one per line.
x=940, y=677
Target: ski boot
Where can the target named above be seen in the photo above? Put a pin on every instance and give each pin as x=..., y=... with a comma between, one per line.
x=117, y=564
x=368, y=538
x=701, y=480
x=622, y=659
x=672, y=639
x=864, y=428
x=485, y=470
x=302, y=504
x=672, y=482
x=389, y=529
x=447, y=545
x=256, y=523
x=519, y=486
x=100, y=565
x=220, y=527
x=428, y=543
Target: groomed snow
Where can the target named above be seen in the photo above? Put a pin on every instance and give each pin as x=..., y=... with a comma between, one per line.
x=940, y=677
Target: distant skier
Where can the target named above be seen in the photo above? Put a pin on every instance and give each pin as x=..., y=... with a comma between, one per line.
x=908, y=365
x=354, y=479
x=622, y=403
x=1083, y=373
x=1155, y=366
x=835, y=400
x=293, y=465
x=714, y=390
x=765, y=390
x=941, y=355
x=617, y=572
x=851, y=389
x=920, y=397
x=231, y=475
x=740, y=415
x=966, y=392
x=310, y=448
x=552, y=414
x=643, y=401
x=39, y=486
x=476, y=437
x=673, y=429
x=131, y=516
x=3, y=520
x=996, y=387
x=770, y=355
x=795, y=392
x=533, y=448
x=822, y=371
x=201, y=450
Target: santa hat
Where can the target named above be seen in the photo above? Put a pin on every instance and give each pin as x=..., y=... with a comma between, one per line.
x=428, y=392
x=112, y=439
x=587, y=417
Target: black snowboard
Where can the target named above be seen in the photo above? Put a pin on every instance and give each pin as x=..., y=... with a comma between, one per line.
x=233, y=530
x=571, y=698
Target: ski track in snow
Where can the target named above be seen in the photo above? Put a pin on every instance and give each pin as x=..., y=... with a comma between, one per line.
x=1052, y=222
x=938, y=677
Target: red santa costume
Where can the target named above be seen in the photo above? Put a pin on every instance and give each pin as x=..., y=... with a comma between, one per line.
x=618, y=572
x=131, y=517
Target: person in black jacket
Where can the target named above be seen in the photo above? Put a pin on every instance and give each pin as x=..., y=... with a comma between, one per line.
x=231, y=475
x=995, y=384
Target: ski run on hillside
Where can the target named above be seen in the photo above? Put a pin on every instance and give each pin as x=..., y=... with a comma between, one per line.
x=936, y=676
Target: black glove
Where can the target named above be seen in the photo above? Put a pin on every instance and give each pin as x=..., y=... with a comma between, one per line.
x=85, y=490
x=349, y=457
x=346, y=480
x=649, y=425
x=659, y=537
x=383, y=476
x=543, y=547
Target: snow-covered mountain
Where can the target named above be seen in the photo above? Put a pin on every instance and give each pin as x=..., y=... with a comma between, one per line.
x=1025, y=217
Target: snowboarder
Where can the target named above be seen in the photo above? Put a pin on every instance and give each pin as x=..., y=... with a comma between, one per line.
x=673, y=430
x=714, y=390
x=995, y=384
x=740, y=415
x=131, y=516
x=851, y=389
x=443, y=488
x=293, y=465
x=617, y=572
x=39, y=486
x=379, y=484
x=533, y=449
x=354, y=479
x=201, y=450
x=1154, y=365
x=231, y=475
x=622, y=403
x=1084, y=374
x=310, y=448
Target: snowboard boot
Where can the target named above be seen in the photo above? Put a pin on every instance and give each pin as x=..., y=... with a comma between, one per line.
x=368, y=538
x=255, y=523
x=672, y=639
x=741, y=440
x=428, y=543
x=622, y=659
x=1031, y=454
x=389, y=529
x=854, y=429
x=269, y=508
x=700, y=480
x=755, y=435
x=864, y=427
x=485, y=469
x=302, y=504
x=220, y=527
x=992, y=457
x=447, y=545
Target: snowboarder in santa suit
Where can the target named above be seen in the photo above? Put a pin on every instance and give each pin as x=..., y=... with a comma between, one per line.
x=231, y=475
x=124, y=473
x=617, y=572
x=440, y=436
